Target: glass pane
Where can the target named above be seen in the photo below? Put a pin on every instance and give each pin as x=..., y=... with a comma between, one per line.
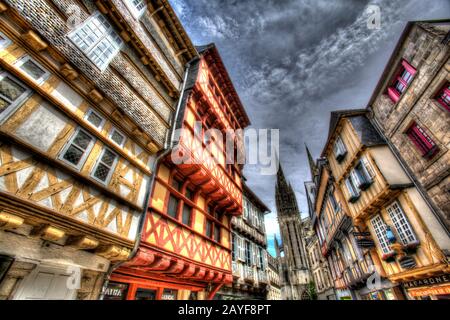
x=11, y=89
x=145, y=294
x=33, y=69
x=117, y=138
x=95, y=119
x=209, y=229
x=176, y=184
x=169, y=294
x=186, y=215
x=73, y=154
x=217, y=233
x=101, y=172
x=172, y=207
x=3, y=104
x=82, y=140
x=108, y=158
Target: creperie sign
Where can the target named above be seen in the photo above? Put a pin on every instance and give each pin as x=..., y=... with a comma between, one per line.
x=427, y=282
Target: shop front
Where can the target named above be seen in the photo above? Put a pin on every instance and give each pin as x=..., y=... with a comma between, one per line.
x=431, y=288
x=123, y=287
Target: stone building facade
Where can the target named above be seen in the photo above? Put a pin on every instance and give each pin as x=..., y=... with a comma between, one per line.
x=410, y=107
x=88, y=93
x=249, y=252
x=292, y=255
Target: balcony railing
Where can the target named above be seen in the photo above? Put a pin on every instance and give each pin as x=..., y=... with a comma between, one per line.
x=249, y=274
x=262, y=276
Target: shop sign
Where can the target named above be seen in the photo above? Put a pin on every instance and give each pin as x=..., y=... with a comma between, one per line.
x=437, y=280
x=116, y=291
x=436, y=291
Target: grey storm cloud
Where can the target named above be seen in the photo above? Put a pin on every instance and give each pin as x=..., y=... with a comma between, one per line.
x=294, y=61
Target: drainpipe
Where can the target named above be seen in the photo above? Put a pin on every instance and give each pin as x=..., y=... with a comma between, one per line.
x=410, y=174
x=168, y=148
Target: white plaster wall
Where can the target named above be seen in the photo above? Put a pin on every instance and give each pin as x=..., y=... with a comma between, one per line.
x=389, y=166
x=42, y=127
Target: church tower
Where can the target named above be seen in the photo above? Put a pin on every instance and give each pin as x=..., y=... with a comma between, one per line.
x=294, y=260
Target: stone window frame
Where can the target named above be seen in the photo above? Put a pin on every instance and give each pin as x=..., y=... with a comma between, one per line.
x=430, y=153
x=111, y=35
x=111, y=168
x=402, y=67
x=444, y=89
x=21, y=61
x=14, y=104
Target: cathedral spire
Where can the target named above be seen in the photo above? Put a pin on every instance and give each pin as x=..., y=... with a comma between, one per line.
x=312, y=163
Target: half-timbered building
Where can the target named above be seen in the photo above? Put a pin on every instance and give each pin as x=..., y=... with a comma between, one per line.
x=88, y=91
x=185, y=251
x=394, y=231
x=249, y=255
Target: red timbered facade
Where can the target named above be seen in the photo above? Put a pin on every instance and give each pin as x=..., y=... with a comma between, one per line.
x=185, y=252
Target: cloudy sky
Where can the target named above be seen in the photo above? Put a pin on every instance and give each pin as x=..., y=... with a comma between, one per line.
x=294, y=61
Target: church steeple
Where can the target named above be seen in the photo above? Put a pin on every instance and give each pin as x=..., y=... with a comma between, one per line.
x=312, y=164
x=286, y=201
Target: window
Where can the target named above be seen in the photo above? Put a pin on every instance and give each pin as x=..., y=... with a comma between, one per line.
x=187, y=213
x=105, y=166
x=246, y=213
x=443, y=97
x=261, y=258
x=33, y=69
x=78, y=147
x=12, y=94
x=339, y=149
x=172, y=207
x=401, y=224
x=401, y=81
x=248, y=252
x=208, y=229
x=241, y=248
x=422, y=141
x=379, y=227
x=352, y=189
x=234, y=248
x=189, y=194
x=95, y=119
x=361, y=176
x=97, y=39
x=216, y=232
x=117, y=137
x=176, y=184
x=4, y=41
x=333, y=201
x=136, y=7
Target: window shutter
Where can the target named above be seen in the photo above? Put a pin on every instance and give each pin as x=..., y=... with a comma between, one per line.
x=349, y=186
x=368, y=168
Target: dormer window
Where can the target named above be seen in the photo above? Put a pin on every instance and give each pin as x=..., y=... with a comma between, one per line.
x=339, y=150
x=422, y=141
x=136, y=7
x=401, y=81
x=443, y=97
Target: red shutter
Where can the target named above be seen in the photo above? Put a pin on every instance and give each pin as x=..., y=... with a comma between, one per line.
x=409, y=68
x=393, y=94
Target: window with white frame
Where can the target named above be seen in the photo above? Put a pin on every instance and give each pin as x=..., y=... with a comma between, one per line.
x=241, y=245
x=136, y=7
x=95, y=119
x=97, y=39
x=339, y=149
x=117, y=137
x=104, y=167
x=379, y=227
x=33, y=69
x=12, y=93
x=401, y=224
x=77, y=148
x=351, y=188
